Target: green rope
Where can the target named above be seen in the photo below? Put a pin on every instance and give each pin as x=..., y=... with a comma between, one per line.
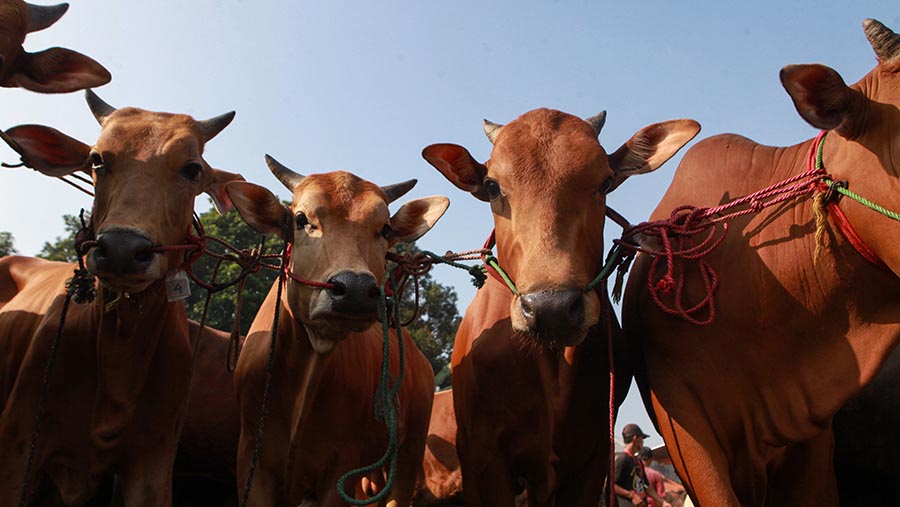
x=841, y=188
x=478, y=273
x=384, y=405
x=862, y=200
x=491, y=261
x=612, y=260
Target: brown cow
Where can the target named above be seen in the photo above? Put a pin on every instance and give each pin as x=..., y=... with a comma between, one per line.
x=205, y=462
x=118, y=386
x=745, y=404
x=321, y=415
x=530, y=371
x=442, y=480
x=54, y=70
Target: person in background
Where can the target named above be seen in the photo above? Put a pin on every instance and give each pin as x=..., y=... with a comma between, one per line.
x=631, y=484
x=656, y=480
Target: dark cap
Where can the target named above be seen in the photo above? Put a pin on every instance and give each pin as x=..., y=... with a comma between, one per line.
x=632, y=430
x=646, y=453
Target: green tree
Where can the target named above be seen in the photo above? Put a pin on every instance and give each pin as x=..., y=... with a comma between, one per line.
x=434, y=329
x=6, y=244
x=232, y=229
x=63, y=248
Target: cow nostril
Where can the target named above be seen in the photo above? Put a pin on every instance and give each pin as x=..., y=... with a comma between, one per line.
x=576, y=309
x=337, y=289
x=527, y=304
x=144, y=257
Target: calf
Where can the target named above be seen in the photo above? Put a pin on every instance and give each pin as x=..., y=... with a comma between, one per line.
x=328, y=352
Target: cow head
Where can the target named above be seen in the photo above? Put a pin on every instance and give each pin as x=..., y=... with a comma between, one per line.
x=340, y=229
x=147, y=169
x=546, y=182
x=55, y=70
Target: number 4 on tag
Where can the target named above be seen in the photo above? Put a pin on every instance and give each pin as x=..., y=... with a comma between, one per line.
x=177, y=286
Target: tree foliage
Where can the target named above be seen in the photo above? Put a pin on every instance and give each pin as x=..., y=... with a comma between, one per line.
x=63, y=248
x=7, y=244
x=232, y=229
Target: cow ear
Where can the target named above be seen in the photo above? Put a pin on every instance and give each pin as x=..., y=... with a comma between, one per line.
x=458, y=166
x=650, y=147
x=416, y=217
x=820, y=96
x=49, y=151
x=216, y=189
x=260, y=208
x=57, y=70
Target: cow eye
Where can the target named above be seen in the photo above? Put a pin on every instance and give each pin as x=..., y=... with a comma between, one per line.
x=386, y=230
x=191, y=171
x=301, y=220
x=492, y=188
x=96, y=161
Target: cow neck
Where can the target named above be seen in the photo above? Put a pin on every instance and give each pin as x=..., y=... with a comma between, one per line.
x=127, y=337
x=304, y=367
x=831, y=192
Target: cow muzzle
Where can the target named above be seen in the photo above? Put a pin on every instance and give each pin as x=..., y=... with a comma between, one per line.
x=352, y=299
x=552, y=316
x=122, y=257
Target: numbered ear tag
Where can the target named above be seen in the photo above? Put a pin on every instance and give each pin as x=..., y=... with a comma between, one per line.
x=177, y=286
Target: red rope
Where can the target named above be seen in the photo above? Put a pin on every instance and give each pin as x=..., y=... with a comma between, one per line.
x=488, y=246
x=677, y=236
x=846, y=228
x=611, y=473
x=286, y=267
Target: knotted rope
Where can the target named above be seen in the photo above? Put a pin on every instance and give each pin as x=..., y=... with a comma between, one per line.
x=691, y=233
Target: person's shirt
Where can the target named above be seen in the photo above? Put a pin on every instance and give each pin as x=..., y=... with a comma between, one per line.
x=630, y=473
x=658, y=482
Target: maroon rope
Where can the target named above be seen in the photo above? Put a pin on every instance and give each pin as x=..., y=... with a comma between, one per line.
x=286, y=267
x=691, y=233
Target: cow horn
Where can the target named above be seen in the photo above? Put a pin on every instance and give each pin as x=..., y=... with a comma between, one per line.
x=287, y=177
x=491, y=130
x=211, y=127
x=884, y=41
x=100, y=109
x=397, y=190
x=42, y=16
x=597, y=121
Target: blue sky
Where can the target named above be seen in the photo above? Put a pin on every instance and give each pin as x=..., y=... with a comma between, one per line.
x=364, y=86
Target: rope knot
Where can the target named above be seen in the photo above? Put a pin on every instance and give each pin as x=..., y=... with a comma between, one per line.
x=665, y=284
x=81, y=286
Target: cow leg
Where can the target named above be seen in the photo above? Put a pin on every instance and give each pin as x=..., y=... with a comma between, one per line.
x=707, y=479
x=806, y=476
x=585, y=487
x=264, y=491
x=487, y=482
x=409, y=469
